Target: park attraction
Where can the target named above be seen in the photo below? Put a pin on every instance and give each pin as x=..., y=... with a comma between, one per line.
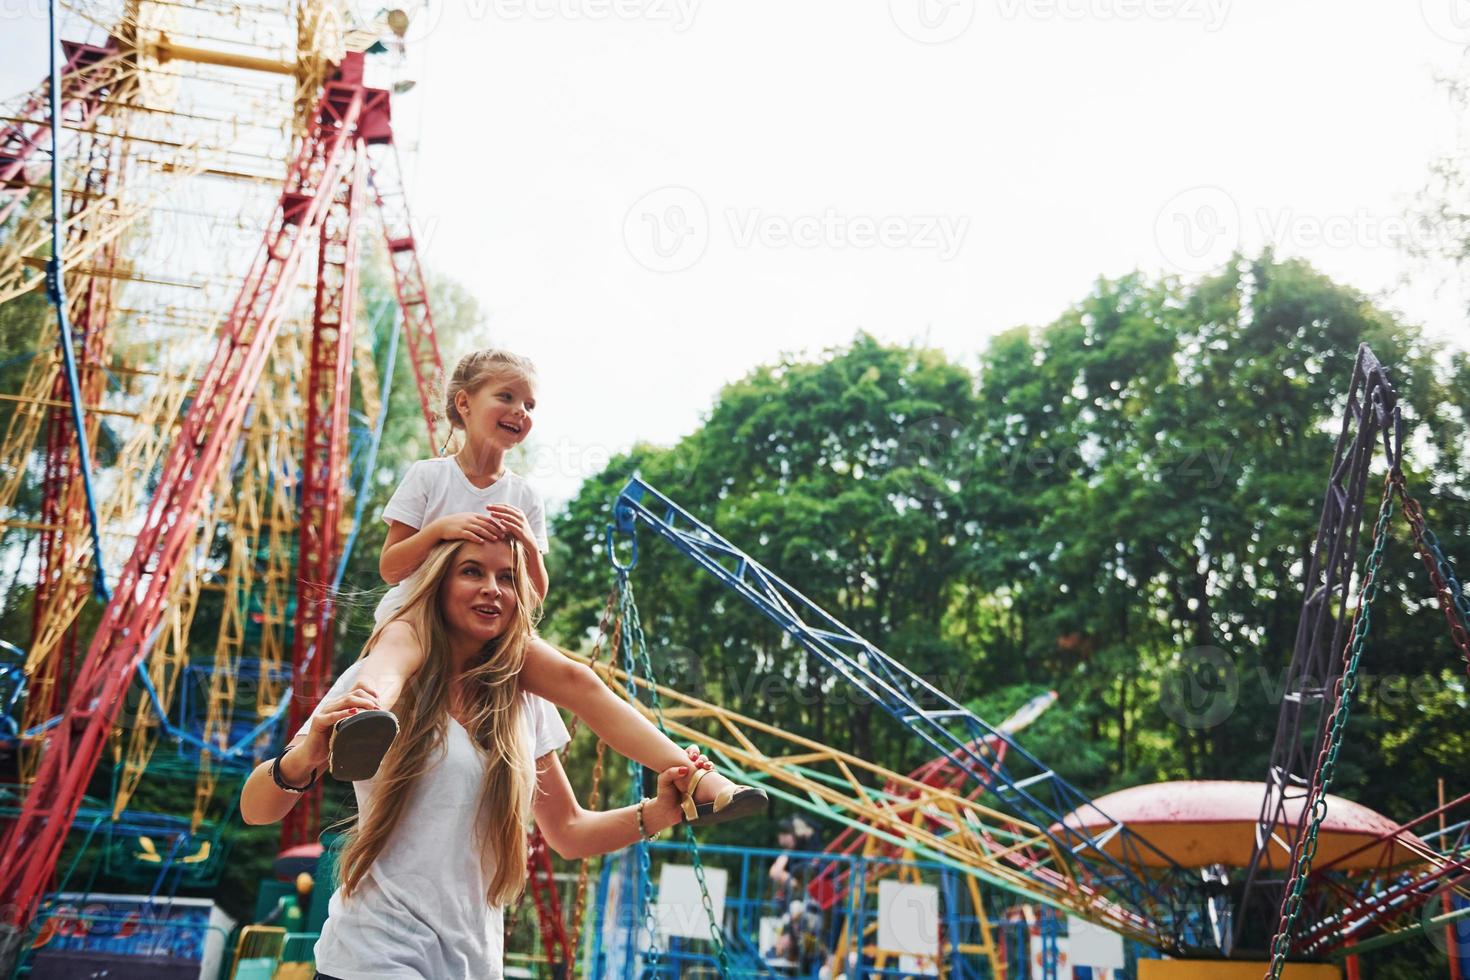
x=193, y=189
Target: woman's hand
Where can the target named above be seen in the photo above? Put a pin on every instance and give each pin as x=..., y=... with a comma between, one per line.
x=319, y=737
x=663, y=812
x=667, y=812
x=475, y=528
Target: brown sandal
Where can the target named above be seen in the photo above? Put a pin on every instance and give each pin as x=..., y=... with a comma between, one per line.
x=358, y=744
x=735, y=802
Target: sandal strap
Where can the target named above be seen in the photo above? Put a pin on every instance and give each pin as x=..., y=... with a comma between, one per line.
x=687, y=804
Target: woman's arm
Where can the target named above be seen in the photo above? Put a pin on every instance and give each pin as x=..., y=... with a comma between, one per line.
x=574, y=686
x=380, y=680
x=261, y=800
x=575, y=833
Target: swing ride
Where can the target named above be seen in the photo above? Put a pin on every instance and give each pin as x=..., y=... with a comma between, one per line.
x=228, y=400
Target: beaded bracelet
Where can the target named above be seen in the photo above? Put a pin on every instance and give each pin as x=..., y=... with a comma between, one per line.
x=642, y=830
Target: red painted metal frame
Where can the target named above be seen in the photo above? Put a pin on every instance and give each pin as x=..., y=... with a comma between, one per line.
x=328, y=388
x=87, y=76
x=1383, y=895
x=63, y=496
x=409, y=284
x=554, y=941
x=830, y=885
x=212, y=425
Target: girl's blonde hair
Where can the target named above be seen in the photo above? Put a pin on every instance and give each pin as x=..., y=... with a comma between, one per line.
x=492, y=692
x=479, y=368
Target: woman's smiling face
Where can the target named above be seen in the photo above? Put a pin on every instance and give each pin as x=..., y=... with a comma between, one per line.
x=478, y=595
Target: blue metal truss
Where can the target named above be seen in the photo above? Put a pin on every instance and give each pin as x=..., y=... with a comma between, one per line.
x=1024, y=785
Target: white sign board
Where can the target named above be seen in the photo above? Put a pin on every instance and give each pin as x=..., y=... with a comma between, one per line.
x=1092, y=945
x=908, y=918
x=679, y=910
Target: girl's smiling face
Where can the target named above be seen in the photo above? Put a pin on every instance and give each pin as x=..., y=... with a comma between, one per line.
x=499, y=412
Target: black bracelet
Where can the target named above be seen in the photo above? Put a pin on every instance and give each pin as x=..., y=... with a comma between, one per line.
x=276, y=775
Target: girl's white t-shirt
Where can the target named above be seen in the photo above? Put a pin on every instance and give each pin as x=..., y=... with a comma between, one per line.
x=419, y=912
x=435, y=488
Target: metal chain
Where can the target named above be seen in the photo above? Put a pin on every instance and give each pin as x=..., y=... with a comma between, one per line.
x=513, y=914
x=1451, y=596
x=1306, y=848
x=637, y=641
x=635, y=775
x=609, y=629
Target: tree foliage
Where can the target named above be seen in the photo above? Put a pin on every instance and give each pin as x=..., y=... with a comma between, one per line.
x=1093, y=500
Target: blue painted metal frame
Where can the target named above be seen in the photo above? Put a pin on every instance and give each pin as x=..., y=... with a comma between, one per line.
x=1032, y=790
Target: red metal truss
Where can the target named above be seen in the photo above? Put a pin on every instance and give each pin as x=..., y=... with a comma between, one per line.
x=1389, y=892
x=63, y=495
x=408, y=283
x=554, y=941
x=328, y=386
x=211, y=427
x=88, y=75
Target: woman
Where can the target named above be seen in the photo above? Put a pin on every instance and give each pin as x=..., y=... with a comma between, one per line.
x=440, y=843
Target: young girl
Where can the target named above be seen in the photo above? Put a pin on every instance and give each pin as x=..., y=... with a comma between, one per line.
x=472, y=496
x=440, y=845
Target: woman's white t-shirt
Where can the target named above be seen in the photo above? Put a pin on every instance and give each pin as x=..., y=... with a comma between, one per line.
x=435, y=488
x=419, y=912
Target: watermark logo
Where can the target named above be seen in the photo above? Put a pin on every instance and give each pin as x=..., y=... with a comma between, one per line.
x=934, y=448
x=407, y=23
x=1210, y=13
x=1441, y=933
x=1448, y=19
x=677, y=14
x=940, y=233
x=1200, y=688
x=1197, y=229
x=667, y=230
x=932, y=21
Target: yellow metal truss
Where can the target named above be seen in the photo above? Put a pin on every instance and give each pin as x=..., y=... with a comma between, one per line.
x=985, y=843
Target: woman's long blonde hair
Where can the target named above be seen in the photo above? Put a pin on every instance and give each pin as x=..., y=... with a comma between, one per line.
x=492, y=693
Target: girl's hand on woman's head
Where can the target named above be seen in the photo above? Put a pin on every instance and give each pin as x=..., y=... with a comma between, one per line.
x=513, y=520
x=332, y=710
x=474, y=528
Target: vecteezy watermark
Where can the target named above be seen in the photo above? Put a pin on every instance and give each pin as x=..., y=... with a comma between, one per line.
x=1198, y=229
x=678, y=14
x=944, y=456
x=1448, y=19
x=1209, y=13
x=415, y=20
x=669, y=229
x=932, y=21
x=941, y=233
x=1441, y=934
x=1200, y=688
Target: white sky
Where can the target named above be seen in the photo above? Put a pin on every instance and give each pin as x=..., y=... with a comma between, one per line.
x=1051, y=141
